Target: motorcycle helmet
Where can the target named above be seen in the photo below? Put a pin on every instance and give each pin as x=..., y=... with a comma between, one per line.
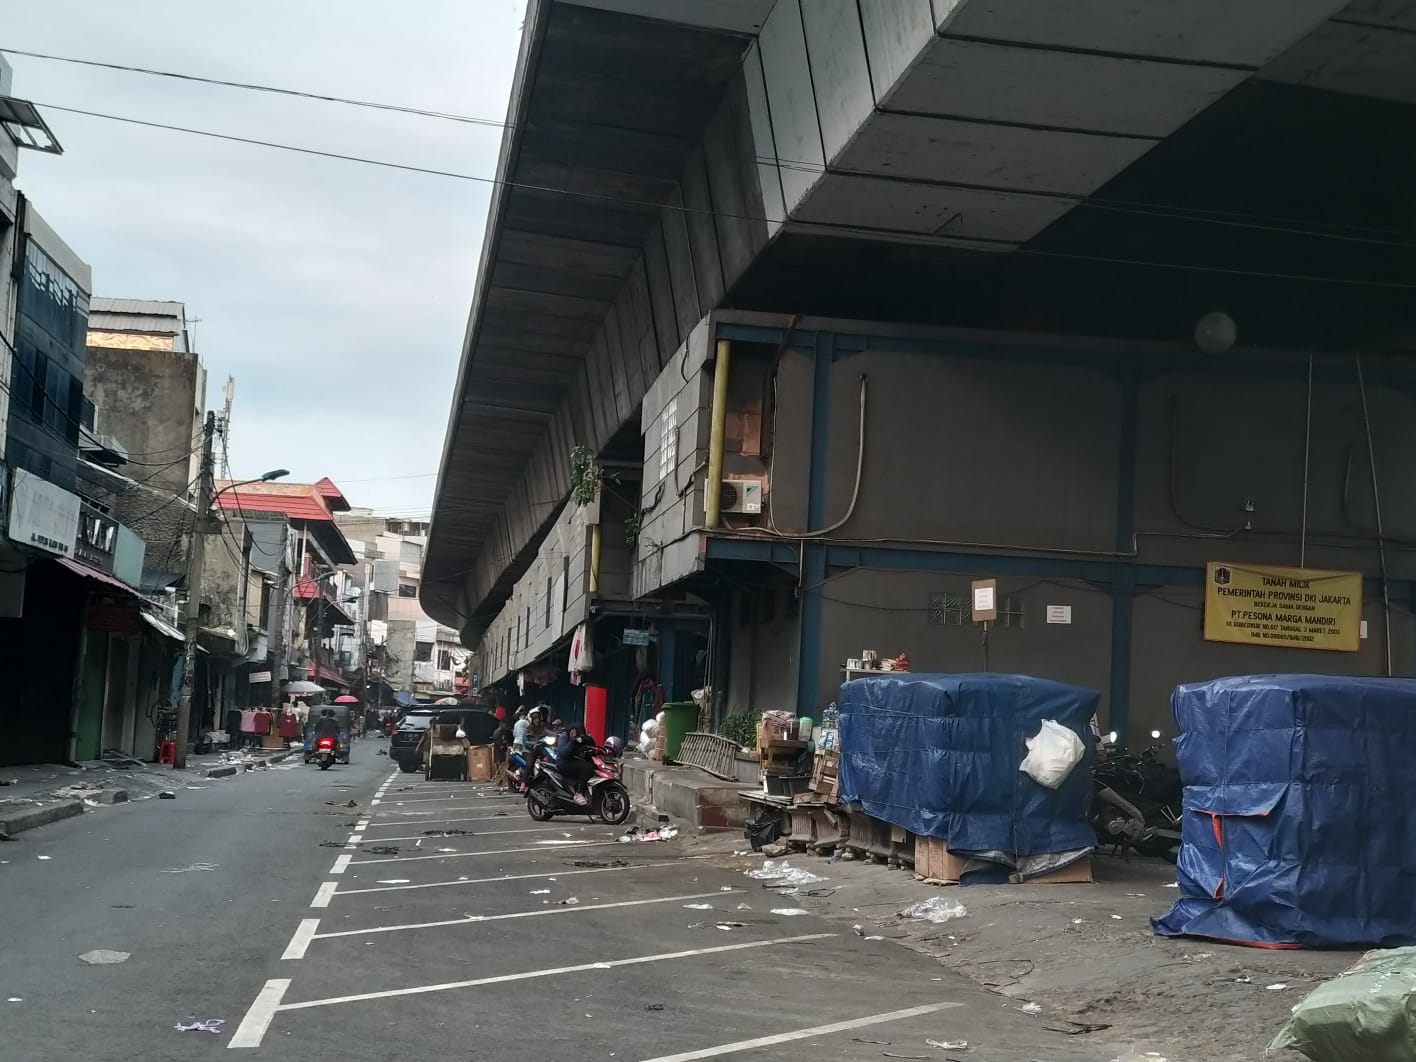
x=614, y=746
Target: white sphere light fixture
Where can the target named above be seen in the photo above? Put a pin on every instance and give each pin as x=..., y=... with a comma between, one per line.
x=1216, y=333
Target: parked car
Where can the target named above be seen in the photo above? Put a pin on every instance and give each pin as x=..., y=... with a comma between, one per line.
x=403, y=747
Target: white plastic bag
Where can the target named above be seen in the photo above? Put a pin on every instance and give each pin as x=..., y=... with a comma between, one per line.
x=1052, y=754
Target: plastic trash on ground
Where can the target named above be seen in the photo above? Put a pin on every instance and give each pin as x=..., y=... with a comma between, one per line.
x=1363, y=1015
x=1052, y=754
x=636, y=835
x=782, y=872
x=936, y=909
x=103, y=957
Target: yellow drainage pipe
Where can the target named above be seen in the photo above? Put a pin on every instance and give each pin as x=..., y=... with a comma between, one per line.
x=717, y=437
x=595, y=559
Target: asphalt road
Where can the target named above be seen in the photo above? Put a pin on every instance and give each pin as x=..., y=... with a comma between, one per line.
x=489, y=944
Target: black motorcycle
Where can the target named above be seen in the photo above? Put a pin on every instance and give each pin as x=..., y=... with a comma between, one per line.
x=1137, y=803
x=549, y=793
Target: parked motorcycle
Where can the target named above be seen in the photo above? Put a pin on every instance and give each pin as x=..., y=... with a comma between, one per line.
x=549, y=794
x=326, y=749
x=1137, y=803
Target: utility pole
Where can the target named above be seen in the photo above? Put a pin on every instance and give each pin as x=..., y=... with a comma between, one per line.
x=196, y=555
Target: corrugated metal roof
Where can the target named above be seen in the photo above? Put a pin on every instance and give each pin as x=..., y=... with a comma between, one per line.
x=132, y=322
x=149, y=307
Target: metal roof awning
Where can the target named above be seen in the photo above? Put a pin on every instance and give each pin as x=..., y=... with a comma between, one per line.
x=94, y=575
x=162, y=626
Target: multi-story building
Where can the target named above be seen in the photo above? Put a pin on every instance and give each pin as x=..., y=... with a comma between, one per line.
x=910, y=296
x=77, y=636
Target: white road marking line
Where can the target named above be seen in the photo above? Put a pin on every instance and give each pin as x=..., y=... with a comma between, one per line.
x=340, y=862
x=325, y=892
x=558, y=846
x=805, y=1034
x=257, y=1021
x=536, y=913
x=397, y=818
x=640, y=960
x=461, y=837
x=375, y=802
x=508, y=877
x=353, y=840
x=304, y=933
x=425, y=800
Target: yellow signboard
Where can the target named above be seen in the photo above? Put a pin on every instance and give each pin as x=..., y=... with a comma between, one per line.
x=1304, y=608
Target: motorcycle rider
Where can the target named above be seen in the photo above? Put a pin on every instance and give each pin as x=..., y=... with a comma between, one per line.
x=525, y=737
x=572, y=751
x=327, y=726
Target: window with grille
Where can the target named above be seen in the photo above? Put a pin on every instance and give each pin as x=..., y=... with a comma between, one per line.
x=948, y=609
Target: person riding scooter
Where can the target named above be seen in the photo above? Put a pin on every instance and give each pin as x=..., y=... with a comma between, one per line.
x=572, y=761
x=526, y=736
x=327, y=726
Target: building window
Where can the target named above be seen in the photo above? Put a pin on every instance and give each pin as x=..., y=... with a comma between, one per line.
x=550, y=589
x=527, y=628
x=948, y=609
x=668, y=439
x=423, y=652
x=444, y=660
x=407, y=589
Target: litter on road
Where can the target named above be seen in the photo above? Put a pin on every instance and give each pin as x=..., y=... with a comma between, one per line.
x=103, y=957
x=211, y=1025
x=939, y=909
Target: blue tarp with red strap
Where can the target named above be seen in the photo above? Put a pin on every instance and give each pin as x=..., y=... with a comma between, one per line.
x=1299, y=824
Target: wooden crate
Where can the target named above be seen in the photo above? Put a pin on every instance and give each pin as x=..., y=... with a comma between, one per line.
x=780, y=756
x=825, y=782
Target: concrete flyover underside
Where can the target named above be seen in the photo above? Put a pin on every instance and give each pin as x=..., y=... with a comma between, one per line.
x=989, y=163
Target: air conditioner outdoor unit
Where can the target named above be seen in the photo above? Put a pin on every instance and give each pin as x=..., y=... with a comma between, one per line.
x=741, y=496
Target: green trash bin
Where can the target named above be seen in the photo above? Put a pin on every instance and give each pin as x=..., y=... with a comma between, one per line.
x=680, y=718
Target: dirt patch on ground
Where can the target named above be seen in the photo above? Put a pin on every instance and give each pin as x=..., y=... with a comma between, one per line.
x=1085, y=953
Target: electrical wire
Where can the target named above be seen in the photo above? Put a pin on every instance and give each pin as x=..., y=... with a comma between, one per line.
x=1239, y=219
x=864, y=232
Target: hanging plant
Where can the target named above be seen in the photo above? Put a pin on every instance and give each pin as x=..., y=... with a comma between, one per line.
x=633, y=524
x=584, y=475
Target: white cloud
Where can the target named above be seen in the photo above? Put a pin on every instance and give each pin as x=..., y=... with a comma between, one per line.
x=336, y=294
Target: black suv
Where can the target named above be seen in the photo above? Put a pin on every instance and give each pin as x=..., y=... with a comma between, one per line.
x=404, y=747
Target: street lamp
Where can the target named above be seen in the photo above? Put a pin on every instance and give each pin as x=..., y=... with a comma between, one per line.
x=275, y=473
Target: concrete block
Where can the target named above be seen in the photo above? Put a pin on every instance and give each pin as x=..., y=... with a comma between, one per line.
x=17, y=821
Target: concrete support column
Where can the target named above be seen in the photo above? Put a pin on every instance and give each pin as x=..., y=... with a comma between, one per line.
x=812, y=566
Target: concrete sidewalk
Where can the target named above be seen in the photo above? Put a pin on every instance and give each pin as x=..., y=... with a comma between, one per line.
x=36, y=795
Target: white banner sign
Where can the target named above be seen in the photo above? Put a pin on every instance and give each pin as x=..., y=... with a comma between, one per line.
x=42, y=515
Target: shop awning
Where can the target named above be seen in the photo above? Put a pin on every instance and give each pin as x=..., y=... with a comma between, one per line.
x=328, y=674
x=162, y=626
x=93, y=574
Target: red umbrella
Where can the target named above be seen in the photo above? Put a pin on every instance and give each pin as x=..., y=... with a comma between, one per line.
x=346, y=699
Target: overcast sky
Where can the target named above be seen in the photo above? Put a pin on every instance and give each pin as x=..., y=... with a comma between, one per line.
x=336, y=294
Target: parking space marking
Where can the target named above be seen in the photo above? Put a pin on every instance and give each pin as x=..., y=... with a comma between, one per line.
x=257, y=1021
x=509, y=877
x=396, y=818
x=340, y=862
x=548, y=846
x=638, y=960
x=300, y=942
x=322, y=896
x=433, y=835
x=805, y=1034
x=472, y=920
